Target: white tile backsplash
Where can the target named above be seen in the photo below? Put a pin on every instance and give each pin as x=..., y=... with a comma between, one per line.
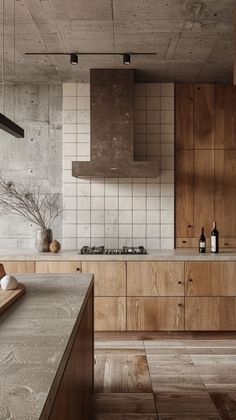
x=116, y=212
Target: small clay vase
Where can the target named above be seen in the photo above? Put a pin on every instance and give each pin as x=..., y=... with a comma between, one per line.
x=43, y=239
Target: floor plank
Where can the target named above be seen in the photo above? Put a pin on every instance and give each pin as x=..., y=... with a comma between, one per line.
x=194, y=403
x=122, y=373
x=124, y=416
x=192, y=377
x=123, y=403
x=226, y=404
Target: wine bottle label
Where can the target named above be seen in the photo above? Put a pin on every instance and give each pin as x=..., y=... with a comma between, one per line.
x=213, y=244
x=202, y=244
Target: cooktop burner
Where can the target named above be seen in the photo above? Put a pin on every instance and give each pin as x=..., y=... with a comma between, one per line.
x=101, y=250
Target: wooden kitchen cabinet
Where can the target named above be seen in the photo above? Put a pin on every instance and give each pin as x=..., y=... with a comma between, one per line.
x=205, y=165
x=225, y=116
x=184, y=193
x=110, y=313
x=184, y=115
x=210, y=278
x=225, y=192
x=23, y=267
x=203, y=193
x=155, y=313
x=57, y=266
x=109, y=277
x=153, y=278
x=203, y=117
x=210, y=313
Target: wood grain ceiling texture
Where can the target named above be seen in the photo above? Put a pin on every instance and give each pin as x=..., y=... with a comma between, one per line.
x=192, y=40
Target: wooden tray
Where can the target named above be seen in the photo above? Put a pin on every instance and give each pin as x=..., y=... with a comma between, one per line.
x=7, y=297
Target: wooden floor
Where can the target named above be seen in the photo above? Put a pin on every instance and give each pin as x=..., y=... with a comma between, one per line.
x=165, y=378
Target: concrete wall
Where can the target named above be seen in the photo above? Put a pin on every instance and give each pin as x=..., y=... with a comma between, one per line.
x=38, y=109
x=125, y=211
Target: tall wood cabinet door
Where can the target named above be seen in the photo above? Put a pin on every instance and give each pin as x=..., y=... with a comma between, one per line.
x=225, y=192
x=57, y=266
x=203, y=116
x=110, y=313
x=210, y=278
x=155, y=313
x=184, y=116
x=203, y=191
x=210, y=313
x=109, y=277
x=19, y=267
x=225, y=116
x=148, y=278
x=184, y=193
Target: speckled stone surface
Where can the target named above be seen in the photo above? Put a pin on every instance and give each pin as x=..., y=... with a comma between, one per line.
x=153, y=255
x=36, y=335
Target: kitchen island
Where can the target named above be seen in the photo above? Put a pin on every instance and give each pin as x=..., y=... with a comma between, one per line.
x=46, y=351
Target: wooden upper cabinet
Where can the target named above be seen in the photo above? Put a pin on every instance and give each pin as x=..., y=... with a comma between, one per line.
x=155, y=313
x=225, y=192
x=203, y=126
x=225, y=116
x=109, y=277
x=155, y=278
x=210, y=278
x=184, y=115
x=57, y=266
x=184, y=193
x=203, y=197
x=20, y=267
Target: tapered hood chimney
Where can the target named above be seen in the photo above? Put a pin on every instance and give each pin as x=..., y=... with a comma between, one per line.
x=112, y=128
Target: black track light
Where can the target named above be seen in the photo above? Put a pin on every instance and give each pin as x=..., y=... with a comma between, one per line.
x=126, y=59
x=73, y=59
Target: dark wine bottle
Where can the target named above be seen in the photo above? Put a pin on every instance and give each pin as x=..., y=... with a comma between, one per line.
x=214, y=240
x=202, y=242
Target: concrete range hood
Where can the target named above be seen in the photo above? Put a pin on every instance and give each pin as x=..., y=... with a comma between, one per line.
x=112, y=128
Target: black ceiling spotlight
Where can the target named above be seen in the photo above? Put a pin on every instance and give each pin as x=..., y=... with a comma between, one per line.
x=126, y=59
x=73, y=59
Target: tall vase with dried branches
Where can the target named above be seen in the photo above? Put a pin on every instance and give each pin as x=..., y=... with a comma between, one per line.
x=38, y=207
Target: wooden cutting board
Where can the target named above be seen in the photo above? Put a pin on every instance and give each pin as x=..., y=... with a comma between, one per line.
x=7, y=297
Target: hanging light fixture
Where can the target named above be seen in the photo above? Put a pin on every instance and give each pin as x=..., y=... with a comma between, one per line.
x=5, y=123
x=126, y=59
x=73, y=59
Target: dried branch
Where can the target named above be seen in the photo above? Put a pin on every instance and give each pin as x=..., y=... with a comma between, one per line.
x=30, y=203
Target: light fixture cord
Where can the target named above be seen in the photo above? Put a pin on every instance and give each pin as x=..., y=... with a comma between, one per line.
x=3, y=46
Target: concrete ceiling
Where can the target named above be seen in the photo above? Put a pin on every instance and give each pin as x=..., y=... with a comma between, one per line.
x=192, y=40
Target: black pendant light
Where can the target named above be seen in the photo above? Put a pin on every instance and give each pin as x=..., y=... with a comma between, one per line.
x=5, y=123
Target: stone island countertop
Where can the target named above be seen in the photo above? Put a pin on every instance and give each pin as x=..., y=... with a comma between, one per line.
x=36, y=336
x=153, y=255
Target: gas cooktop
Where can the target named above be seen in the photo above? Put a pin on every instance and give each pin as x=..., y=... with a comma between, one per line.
x=101, y=250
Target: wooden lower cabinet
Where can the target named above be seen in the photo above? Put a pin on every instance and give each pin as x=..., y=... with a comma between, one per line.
x=48, y=267
x=210, y=313
x=215, y=278
x=21, y=267
x=109, y=277
x=110, y=313
x=155, y=278
x=155, y=313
